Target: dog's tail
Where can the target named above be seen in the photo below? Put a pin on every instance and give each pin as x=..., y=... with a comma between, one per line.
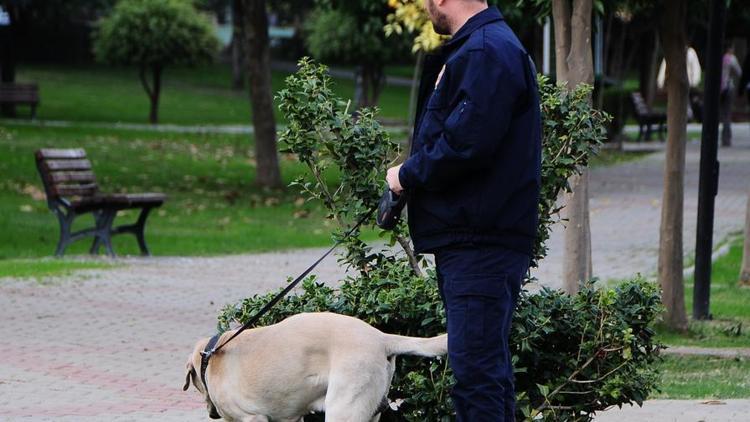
x=416, y=346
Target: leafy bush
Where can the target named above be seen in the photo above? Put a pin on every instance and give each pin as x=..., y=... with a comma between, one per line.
x=573, y=355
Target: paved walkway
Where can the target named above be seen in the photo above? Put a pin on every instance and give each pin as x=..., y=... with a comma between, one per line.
x=111, y=345
x=626, y=212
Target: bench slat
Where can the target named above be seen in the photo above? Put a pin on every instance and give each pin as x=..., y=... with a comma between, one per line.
x=19, y=86
x=69, y=176
x=53, y=165
x=19, y=98
x=76, y=190
x=53, y=153
x=19, y=93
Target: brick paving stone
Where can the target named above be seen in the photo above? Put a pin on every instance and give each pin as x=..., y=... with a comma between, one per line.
x=111, y=344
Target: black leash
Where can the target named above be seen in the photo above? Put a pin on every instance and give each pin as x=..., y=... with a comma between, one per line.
x=212, y=348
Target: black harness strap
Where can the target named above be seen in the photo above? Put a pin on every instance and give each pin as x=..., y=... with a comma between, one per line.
x=204, y=362
x=211, y=347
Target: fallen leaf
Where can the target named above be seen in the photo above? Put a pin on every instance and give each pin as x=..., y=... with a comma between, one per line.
x=34, y=192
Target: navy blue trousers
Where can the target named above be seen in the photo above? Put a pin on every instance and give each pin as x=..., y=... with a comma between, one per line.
x=479, y=285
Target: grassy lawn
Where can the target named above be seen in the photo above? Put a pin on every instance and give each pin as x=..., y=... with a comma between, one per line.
x=730, y=307
x=699, y=377
x=42, y=267
x=201, y=95
x=213, y=206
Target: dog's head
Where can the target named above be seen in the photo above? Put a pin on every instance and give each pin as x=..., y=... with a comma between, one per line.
x=191, y=375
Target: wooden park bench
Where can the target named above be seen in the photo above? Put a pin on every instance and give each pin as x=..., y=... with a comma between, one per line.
x=71, y=190
x=15, y=94
x=647, y=117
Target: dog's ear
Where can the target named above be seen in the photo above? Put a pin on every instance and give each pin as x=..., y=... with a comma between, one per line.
x=189, y=376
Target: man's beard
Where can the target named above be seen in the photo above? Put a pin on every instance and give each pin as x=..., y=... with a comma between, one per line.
x=439, y=20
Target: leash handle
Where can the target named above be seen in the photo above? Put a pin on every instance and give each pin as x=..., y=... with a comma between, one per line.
x=289, y=288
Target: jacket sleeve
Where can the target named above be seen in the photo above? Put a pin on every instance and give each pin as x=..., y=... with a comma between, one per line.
x=485, y=93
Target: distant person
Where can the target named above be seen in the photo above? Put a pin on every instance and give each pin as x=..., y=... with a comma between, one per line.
x=694, y=79
x=730, y=77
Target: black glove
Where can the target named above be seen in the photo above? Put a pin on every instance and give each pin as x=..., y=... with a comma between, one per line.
x=389, y=209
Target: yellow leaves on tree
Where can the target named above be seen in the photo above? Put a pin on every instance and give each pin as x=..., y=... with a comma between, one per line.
x=409, y=15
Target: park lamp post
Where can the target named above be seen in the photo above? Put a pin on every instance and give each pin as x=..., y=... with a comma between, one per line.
x=708, y=184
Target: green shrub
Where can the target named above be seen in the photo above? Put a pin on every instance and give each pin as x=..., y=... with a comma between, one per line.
x=573, y=355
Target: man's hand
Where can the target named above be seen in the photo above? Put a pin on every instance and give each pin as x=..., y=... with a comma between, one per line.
x=392, y=178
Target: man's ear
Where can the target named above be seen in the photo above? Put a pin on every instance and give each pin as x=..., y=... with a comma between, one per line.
x=189, y=376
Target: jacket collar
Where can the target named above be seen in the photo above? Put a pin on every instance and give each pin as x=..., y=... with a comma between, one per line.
x=490, y=14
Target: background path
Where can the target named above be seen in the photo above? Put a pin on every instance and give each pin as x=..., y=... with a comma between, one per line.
x=112, y=344
x=626, y=212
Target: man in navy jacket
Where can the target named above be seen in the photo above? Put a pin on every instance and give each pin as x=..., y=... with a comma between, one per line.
x=473, y=180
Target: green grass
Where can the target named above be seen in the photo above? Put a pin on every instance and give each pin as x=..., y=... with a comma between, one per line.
x=729, y=305
x=611, y=157
x=701, y=377
x=45, y=267
x=213, y=206
x=190, y=96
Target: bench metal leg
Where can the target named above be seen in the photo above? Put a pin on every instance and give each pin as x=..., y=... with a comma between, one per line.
x=103, y=232
x=66, y=222
x=96, y=244
x=138, y=230
x=140, y=227
x=107, y=234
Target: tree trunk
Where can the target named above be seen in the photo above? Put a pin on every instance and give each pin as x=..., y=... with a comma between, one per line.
x=649, y=66
x=745, y=271
x=152, y=88
x=377, y=83
x=674, y=39
x=255, y=20
x=561, y=20
x=574, y=64
x=371, y=85
x=238, y=37
x=153, y=116
x=8, y=58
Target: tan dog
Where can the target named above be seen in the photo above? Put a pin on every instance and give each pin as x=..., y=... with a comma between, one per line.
x=313, y=362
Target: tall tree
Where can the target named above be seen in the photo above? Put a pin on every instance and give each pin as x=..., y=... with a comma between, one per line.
x=258, y=65
x=152, y=35
x=351, y=32
x=673, y=34
x=574, y=66
x=238, y=41
x=7, y=50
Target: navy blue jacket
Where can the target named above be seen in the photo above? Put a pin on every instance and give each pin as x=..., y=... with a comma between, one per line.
x=473, y=175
